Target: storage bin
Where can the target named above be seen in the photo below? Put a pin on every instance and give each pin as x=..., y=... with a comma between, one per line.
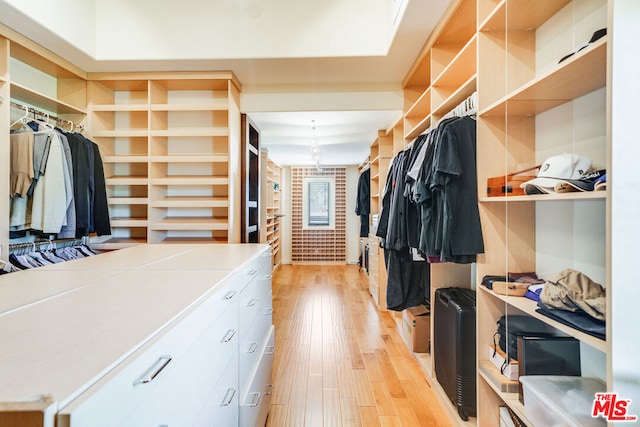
x=561, y=401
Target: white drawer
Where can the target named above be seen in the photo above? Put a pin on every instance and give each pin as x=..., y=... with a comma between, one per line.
x=116, y=396
x=253, y=299
x=183, y=390
x=221, y=406
x=254, y=406
x=253, y=342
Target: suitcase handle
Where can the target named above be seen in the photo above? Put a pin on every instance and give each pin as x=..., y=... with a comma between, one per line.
x=444, y=298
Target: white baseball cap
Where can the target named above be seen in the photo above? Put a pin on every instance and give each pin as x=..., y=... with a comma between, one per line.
x=557, y=169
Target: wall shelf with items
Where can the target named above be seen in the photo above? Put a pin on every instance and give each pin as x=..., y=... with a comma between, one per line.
x=271, y=206
x=169, y=140
x=533, y=106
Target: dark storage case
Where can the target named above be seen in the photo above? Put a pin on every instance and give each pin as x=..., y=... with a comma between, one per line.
x=454, y=347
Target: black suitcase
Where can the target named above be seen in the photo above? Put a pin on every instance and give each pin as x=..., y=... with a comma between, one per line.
x=454, y=317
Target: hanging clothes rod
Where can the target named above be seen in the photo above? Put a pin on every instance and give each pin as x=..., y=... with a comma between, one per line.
x=39, y=244
x=46, y=115
x=465, y=108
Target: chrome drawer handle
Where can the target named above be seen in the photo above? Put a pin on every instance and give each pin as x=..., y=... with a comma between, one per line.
x=268, y=312
x=268, y=277
x=252, y=272
x=255, y=400
x=228, y=397
x=270, y=350
x=230, y=294
x=252, y=347
x=229, y=335
x=153, y=371
x=267, y=254
x=270, y=390
x=252, y=302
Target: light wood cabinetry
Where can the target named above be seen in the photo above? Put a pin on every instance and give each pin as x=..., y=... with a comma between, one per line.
x=444, y=74
x=271, y=212
x=380, y=155
x=171, y=151
x=34, y=77
x=172, y=335
x=532, y=107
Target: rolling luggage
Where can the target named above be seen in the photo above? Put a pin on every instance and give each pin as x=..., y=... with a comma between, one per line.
x=454, y=316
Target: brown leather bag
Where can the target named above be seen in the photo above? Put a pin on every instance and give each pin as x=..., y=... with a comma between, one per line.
x=509, y=185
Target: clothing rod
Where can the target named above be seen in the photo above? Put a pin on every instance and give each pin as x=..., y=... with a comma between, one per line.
x=43, y=114
x=58, y=243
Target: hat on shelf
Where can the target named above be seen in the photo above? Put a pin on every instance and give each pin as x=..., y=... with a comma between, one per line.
x=586, y=182
x=557, y=169
x=601, y=183
x=597, y=35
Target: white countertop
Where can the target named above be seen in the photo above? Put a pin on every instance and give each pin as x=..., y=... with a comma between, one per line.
x=99, y=311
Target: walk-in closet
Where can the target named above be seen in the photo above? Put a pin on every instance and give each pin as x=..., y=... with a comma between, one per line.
x=365, y=213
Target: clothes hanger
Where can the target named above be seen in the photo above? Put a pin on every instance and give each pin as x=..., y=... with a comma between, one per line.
x=21, y=119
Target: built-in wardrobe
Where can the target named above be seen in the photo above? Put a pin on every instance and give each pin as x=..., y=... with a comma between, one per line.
x=547, y=81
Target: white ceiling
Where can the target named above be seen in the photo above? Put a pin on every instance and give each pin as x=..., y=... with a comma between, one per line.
x=349, y=97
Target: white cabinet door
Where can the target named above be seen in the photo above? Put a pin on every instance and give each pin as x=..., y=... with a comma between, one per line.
x=183, y=391
x=163, y=365
x=221, y=407
x=254, y=406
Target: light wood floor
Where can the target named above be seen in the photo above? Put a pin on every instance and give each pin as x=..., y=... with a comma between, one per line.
x=339, y=362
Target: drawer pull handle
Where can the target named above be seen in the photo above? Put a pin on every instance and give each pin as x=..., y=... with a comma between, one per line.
x=229, y=335
x=270, y=350
x=269, y=390
x=230, y=294
x=252, y=272
x=267, y=254
x=255, y=400
x=153, y=371
x=228, y=398
x=252, y=347
x=252, y=302
x=268, y=311
x=268, y=277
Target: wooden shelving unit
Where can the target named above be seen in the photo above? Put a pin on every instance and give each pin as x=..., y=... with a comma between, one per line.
x=59, y=90
x=525, y=98
x=271, y=211
x=169, y=142
x=380, y=154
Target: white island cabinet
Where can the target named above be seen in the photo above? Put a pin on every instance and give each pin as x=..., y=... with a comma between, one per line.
x=152, y=335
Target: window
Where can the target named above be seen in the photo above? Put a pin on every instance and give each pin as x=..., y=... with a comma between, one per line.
x=318, y=198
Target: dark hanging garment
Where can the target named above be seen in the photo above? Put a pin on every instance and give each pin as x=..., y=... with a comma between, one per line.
x=407, y=280
x=81, y=175
x=101, y=222
x=363, y=203
x=383, y=219
x=455, y=178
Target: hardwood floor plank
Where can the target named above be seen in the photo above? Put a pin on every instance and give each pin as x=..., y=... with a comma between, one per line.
x=350, y=412
x=384, y=404
x=340, y=361
x=277, y=416
x=314, y=404
x=331, y=408
x=369, y=416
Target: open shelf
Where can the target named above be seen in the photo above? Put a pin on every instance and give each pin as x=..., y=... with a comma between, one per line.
x=578, y=195
x=190, y=223
x=195, y=202
x=578, y=75
x=24, y=94
x=529, y=307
